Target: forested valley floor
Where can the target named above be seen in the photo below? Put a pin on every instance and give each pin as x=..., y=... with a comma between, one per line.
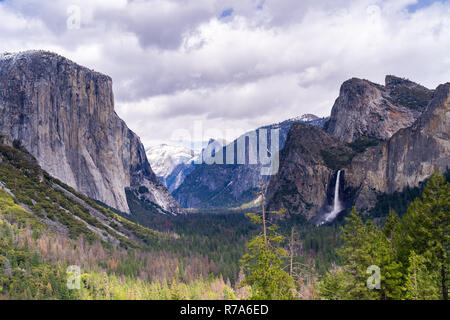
x=44, y=234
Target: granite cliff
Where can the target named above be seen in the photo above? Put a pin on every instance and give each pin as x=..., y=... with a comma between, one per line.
x=63, y=114
x=409, y=157
x=303, y=181
x=383, y=138
x=364, y=108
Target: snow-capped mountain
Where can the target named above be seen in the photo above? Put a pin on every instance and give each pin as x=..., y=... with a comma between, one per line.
x=164, y=160
x=305, y=118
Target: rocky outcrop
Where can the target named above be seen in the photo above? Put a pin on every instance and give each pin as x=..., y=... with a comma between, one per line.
x=64, y=115
x=409, y=157
x=302, y=183
x=376, y=151
x=367, y=109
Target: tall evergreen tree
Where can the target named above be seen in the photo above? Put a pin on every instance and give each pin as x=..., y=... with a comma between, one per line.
x=426, y=229
x=420, y=283
x=335, y=285
x=392, y=225
x=392, y=275
x=365, y=246
x=262, y=263
x=356, y=257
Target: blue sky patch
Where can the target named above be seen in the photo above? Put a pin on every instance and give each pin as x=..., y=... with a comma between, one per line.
x=260, y=5
x=422, y=4
x=226, y=13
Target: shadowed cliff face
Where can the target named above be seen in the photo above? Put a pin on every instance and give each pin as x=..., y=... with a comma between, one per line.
x=64, y=115
x=364, y=108
x=409, y=157
x=302, y=181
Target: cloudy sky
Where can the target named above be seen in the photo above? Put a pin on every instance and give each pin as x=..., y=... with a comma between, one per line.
x=233, y=64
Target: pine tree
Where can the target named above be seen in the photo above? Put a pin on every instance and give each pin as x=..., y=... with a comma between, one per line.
x=392, y=225
x=262, y=263
x=228, y=293
x=335, y=285
x=384, y=256
x=426, y=229
x=420, y=283
x=365, y=246
x=356, y=257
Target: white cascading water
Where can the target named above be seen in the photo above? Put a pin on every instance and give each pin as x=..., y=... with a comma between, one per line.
x=337, y=206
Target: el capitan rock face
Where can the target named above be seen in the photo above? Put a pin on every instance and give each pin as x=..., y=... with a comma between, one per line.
x=64, y=115
x=367, y=109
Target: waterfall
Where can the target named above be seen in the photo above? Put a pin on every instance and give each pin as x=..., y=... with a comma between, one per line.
x=337, y=206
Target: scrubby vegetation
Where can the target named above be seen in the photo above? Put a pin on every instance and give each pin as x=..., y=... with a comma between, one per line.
x=362, y=143
x=34, y=264
x=338, y=157
x=416, y=98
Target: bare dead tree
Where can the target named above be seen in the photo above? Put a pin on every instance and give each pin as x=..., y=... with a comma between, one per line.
x=261, y=193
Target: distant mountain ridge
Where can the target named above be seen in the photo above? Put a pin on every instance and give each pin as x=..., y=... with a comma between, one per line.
x=232, y=185
x=383, y=138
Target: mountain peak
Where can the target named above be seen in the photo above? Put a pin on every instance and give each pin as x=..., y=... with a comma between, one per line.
x=392, y=82
x=364, y=108
x=38, y=60
x=222, y=142
x=307, y=117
